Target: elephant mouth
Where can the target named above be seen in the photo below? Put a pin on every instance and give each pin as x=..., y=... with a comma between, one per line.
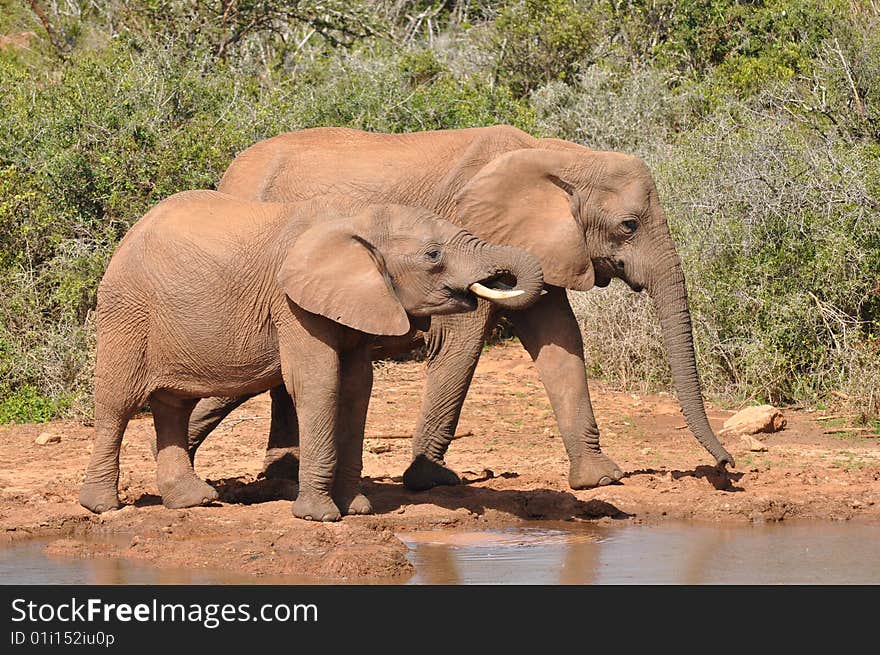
x=463, y=298
x=493, y=288
x=638, y=288
x=497, y=287
x=603, y=272
x=601, y=281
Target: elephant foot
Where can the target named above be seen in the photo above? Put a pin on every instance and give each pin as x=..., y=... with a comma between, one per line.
x=187, y=491
x=360, y=504
x=593, y=470
x=281, y=464
x=99, y=498
x=314, y=507
x=424, y=474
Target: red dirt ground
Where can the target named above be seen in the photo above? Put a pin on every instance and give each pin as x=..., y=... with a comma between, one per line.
x=509, y=453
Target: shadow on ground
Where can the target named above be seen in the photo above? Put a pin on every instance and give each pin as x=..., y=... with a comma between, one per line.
x=720, y=478
x=389, y=495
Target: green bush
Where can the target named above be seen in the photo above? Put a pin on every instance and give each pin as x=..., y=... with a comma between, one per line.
x=760, y=120
x=538, y=41
x=26, y=405
x=779, y=228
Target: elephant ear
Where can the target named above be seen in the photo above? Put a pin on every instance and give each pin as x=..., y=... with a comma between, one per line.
x=332, y=271
x=523, y=198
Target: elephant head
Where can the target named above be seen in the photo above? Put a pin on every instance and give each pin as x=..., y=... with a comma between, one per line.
x=590, y=216
x=399, y=262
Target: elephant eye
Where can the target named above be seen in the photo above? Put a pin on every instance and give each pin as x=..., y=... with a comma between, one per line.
x=630, y=226
x=433, y=255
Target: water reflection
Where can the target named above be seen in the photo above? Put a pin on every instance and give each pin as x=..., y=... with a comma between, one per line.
x=549, y=553
x=28, y=563
x=679, y=554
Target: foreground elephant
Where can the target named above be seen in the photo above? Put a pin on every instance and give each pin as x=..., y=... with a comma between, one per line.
x=588, y=216
x=212, y=295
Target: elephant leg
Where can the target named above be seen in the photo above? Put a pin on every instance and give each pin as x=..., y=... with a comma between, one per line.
x=99, y=492
x=178, y=483
x=454, y=344
x=206, y=416
x=356, y=384
x=311, y=370
x=282, y=453
x=118, y=394
x=550, y=334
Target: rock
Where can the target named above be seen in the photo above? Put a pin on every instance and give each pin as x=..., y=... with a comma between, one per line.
x=18, y=41
x=753, y=444
x=753, y=420
x=379, y=448
x=46, y=438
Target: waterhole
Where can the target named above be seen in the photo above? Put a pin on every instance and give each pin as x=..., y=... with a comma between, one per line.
x=551, y=553
x=827, y=553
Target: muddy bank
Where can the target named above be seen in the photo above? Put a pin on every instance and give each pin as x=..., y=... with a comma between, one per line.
x=509, y=453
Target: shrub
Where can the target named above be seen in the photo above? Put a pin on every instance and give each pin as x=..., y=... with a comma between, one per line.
x=760, y=120
x=780, y=227
x=539, y=41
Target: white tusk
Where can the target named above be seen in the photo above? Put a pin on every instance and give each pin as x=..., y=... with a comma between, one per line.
x=494, y=294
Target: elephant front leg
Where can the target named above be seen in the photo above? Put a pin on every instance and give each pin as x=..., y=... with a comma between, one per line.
x=454, y=344
x=550, y=334
x=356, y=385
x=311, y=370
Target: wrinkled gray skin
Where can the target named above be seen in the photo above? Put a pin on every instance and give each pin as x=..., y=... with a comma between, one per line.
x=588, y=216
x=210, y=295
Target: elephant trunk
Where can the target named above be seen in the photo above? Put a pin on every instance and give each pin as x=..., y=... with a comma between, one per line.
x=669, y=295
x=513, y=278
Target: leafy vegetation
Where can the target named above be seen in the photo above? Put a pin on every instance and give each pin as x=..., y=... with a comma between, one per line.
x=760, y=120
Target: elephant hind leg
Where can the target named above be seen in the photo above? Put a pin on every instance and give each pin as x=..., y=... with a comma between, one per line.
x=99, y=491
x=206, y=416
x=282, y=453
x=177, y=481
x=118, y=395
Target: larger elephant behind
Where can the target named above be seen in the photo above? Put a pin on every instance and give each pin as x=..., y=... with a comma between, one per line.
x=588, y=216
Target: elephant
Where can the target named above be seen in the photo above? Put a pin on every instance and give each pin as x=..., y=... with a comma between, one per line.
x=211, y=295
x=588, y=216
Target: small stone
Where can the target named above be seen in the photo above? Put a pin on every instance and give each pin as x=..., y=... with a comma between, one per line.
x=46, y=438
x=379, y=448
x=167, y=529
x=645, y=451
x=135, y=540
x=753, y=420
x=753, y=444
